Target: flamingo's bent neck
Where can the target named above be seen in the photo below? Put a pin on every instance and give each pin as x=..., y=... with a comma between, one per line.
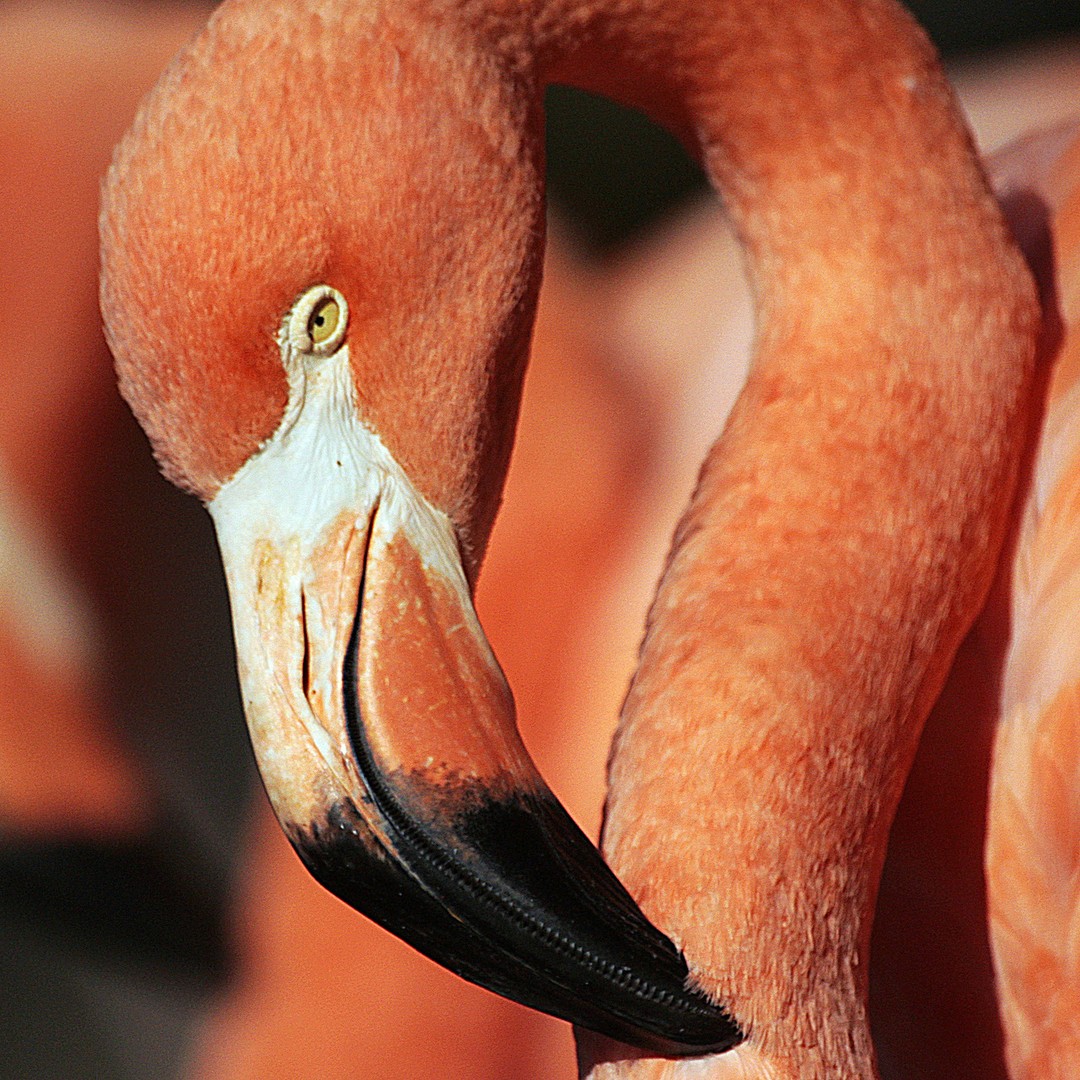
x=845, y=525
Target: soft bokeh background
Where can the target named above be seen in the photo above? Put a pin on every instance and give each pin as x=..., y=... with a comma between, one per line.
x=151, y=922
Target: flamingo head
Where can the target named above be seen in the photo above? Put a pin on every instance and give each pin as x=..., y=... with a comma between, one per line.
x=321, y=251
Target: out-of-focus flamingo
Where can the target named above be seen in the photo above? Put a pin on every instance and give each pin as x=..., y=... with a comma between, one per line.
x=935, y=893
x=1004, y=715
x=80, y=615
x=1033, y=824
x=95, y=890
x=71, y=75
x=337, y=377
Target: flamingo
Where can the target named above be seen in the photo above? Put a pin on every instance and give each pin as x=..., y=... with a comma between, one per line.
x=1033, y=818
x=319, y=309
x=932, y=963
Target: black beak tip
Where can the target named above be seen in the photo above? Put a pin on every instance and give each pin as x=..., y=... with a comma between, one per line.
x=537, y=918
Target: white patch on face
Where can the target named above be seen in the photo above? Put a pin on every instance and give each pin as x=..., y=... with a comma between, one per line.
x=294, y=525
x=323, y=460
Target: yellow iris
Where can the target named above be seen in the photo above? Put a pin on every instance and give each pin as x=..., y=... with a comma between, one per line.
x=323, y=320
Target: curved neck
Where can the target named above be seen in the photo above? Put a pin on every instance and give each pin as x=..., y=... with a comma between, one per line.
x=846, y=524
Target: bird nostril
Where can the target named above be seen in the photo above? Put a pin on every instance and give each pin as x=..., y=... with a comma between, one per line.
x=305, y=663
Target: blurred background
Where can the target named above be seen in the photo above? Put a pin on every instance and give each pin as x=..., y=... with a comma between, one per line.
x=152, y=924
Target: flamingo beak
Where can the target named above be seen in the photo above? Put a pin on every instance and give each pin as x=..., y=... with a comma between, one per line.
x=385, y=734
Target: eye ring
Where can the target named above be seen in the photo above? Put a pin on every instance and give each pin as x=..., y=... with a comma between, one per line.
x=318, y=321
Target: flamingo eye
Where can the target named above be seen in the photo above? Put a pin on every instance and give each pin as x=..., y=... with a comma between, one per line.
x=318, y=321
x=323, y=321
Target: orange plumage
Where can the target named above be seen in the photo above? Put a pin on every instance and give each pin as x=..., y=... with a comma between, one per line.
x=800, y=731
